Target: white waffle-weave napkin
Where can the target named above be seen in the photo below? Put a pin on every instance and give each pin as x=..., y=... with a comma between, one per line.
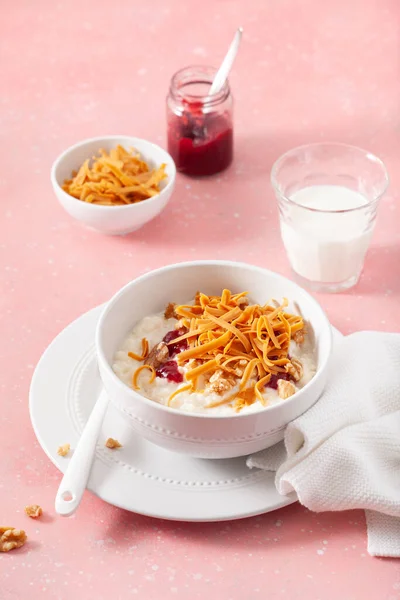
x=345, y=451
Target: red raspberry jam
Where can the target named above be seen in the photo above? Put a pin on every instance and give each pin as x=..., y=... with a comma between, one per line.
x=200, y=144
x=179, y=346
x=169, y=370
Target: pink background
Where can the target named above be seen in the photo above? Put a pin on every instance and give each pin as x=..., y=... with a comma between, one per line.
x=307, y=71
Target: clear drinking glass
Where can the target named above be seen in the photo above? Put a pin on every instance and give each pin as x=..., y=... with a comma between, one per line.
x=328, y=195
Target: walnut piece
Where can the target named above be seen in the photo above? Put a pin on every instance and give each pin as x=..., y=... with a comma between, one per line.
x=33, y=510
x=240, y=367
x=169, y=312
x=192, y=363
x=112, y=444
x=220, y=382
x=11, y=538
x=158, y=355
x=298, y=336
x=216, y=376
x=63, y=450
x=285, y=389
x=295, y=369
x=242, y=302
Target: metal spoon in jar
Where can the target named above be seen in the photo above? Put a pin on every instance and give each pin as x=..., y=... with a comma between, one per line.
x=223, y=72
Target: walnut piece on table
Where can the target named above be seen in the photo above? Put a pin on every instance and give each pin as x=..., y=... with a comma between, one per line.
x=112, y=444
x=169, y=312
x=11, y=538
x=64, y=450
x=285, y=389
x=158, y=355
x=33, y=510
x=295, y=369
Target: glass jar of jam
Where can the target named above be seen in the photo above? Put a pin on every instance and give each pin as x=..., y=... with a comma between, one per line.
x=200, y=129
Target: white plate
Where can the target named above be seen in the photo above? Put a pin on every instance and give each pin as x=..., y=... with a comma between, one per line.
x=139, y=477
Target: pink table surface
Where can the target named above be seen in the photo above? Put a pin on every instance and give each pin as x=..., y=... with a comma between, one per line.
x=307, y=71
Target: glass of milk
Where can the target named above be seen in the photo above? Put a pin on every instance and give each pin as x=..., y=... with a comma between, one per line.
x=328, y=195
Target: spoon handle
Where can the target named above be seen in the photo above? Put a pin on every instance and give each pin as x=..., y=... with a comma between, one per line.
x=223, y=71
x=74, y=482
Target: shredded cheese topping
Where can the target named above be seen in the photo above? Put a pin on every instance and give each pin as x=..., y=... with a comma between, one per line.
x=184, y=388
x=137, y=373
x=145, y=351
x=225, y=334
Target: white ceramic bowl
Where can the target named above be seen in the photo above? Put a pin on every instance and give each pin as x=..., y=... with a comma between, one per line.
x=112, y=220
x=205, y=435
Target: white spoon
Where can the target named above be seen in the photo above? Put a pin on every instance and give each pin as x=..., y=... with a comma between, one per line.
x=76, y=476
x=223, y=72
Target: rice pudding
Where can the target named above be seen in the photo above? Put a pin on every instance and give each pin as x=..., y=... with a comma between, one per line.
x=218, y=355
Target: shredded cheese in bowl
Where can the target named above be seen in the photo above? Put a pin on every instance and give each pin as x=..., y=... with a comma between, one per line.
x=228, y=347
x=116, y=178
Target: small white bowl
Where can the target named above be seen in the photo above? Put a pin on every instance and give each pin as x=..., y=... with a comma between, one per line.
x=112, y=220
x=206, y=435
